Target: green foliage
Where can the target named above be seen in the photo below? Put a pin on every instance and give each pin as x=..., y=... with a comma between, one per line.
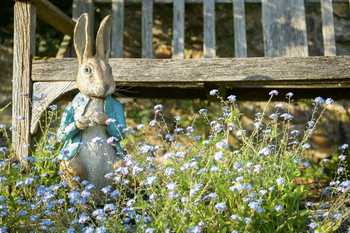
x=205, y=173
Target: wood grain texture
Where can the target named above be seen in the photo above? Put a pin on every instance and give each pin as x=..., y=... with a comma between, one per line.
x=85, y=6
x=178, y=29
x=217, y=1
x=117, y=28
x=284, y=28
x=296, y=72
x=44, y=93
x=328, y=28
x=52, y=15
x=209, y=28
x=239, y=28
x=147, y=25
x=23, y=50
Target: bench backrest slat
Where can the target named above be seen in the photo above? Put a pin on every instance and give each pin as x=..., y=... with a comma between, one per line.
x=84, y=6
x=147, y=24
x=239, y=28
x=178, y=29
x=209, y=28
x=117, y=28
x=328, y=28
x=284, y=28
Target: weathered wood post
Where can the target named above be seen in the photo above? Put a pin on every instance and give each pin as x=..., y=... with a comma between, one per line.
x=23, y=50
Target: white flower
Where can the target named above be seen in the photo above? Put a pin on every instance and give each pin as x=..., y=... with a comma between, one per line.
x=235, y=217
x=306, y=146
x=152, y=123
x=273, y=93
x=214, y=92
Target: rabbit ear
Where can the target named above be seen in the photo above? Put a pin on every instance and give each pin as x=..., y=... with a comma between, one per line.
x=82, y=38
x=103, y=39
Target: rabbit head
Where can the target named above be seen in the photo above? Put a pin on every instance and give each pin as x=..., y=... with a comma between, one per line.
x=94, y=77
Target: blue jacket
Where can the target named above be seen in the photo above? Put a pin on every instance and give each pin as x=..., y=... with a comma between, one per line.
x=70, y=135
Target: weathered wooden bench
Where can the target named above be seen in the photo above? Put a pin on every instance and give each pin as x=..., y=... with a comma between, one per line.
x=286, y=64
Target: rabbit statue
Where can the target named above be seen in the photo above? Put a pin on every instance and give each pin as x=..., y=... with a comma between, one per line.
x=92, y=124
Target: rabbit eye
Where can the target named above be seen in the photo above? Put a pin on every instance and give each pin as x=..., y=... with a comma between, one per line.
x=86, y=70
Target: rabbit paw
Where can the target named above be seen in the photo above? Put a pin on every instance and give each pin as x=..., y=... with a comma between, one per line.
x=82, y=123
x=100, y=118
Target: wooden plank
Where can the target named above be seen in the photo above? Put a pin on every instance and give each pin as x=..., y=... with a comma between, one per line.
x=85, y=6
x=23, y=50
x=209, y=28
x=217, y=1
x=293, y=72
x=284, y=28
x=239, y=28
x=44, y=93
x=328, y=28
x=179, y=29
x=117, y=28
x=54, y=16
x=147, y=25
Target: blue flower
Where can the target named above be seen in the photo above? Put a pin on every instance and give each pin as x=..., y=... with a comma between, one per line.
x=232, y=98
x=101, y=230
x=221, y=207
x=273, y=93
x=280, y=181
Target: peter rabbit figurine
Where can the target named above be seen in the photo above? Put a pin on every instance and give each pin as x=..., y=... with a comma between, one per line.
x=92, y=124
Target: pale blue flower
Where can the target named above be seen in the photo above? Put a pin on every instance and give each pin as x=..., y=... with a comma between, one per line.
x=171, y=186
x=319, y=100
x=196, y=188
x=221, y=207
x=83, y=218
x=101, y=230
x=150, y=180
x=218, y=156
x=256, y=206
x=194, y=229
x=150, y=230
x=280, y=181
x=232, y=98
x=273, y=93
x=278, y=208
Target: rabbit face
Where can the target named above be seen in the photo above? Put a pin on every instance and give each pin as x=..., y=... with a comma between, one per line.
x=94, y=77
